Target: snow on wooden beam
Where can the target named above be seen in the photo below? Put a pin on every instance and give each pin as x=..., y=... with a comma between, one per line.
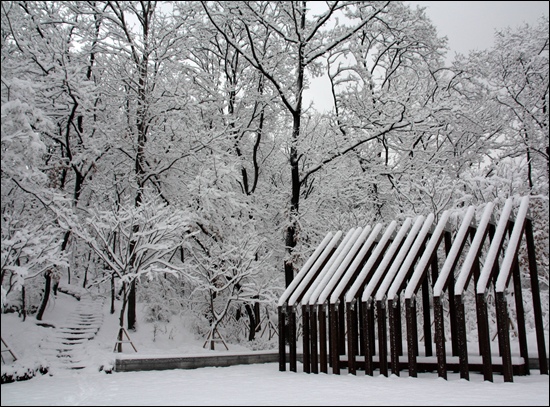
x=363, y=274
x=494, y=250
x=335, y=290
x=474, y=252
x=330, y=267
x=343, y=266
x=455, y=251
x=513, y=246
x=413, y=253
x=305, y=269
x=351, y=271
x=421, y=267
x=314, y=271
x=345, y=247
x=373, y=284
x=398, y=261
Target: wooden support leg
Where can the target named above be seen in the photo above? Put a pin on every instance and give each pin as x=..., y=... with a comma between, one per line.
x=427, y=320
x=369, y=339
x=504, y=336
x=484, y=337
x=341, y=328
x=306, y=339
x=410, y=315
x=314, y=345
x=440, y=338
x=520, y=315
x=351, y=314
x=292, y=339
x=282, y=340
x=537, y=308
x=394, y=337
x=334, y=344
x=462, y=340
x=382, y=337
x=323, y=362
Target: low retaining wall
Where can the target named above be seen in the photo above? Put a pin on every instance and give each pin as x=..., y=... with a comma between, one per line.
x=136, y=364
x=193, y=362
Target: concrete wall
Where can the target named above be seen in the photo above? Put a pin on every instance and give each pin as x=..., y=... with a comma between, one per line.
x=194, y=362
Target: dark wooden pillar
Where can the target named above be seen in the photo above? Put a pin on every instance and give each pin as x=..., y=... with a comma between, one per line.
x=314, y=339
x=394, y=337
x=306, y=339
x=292, y=339
x=351, y=314
x=410, y=315
x=504, y=336
x=462, y=341
x=368, y=339
x=334, y=337
x=382, y=337
x=440, y=338
x=537, y=308
x=484, y=336
x=282, y=339
x=520, y=315
x=323, y=363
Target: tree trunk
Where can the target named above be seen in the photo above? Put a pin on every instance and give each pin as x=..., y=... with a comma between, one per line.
x=121, y=317
x=132, y=306
x=23, y=304
x=47, y=288
x=112, y=293
x=252, y=320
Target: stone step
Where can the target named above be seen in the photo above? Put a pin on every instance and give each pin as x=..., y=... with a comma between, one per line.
x=65, y=348
x=77, y=331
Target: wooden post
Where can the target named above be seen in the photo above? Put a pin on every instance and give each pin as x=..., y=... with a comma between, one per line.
x=351, y=313
x=462, y=341
x=537, y=308
x=382, y=338
x=504, y=336
x=410, y=315
x=334, y=334
x=292, y=339
x=306, y=339
x=323, y=340
x=520, y=315
x=368, y=338
x=7, y=349
x=426, y=305
x=361, y=315
x=398, y=324
x=341, y=327
x=484, y=336
x=314, y=345
x=440, y=338
x=282, y=339
x=394, y=337
x=120, y=340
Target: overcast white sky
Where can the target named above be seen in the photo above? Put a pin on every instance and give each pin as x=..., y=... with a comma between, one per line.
x=468, y=25
x=471, y=25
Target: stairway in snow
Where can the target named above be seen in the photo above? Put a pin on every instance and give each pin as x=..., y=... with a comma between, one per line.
x=66, y=347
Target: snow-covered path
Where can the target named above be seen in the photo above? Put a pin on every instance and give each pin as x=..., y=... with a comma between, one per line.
x=66, y=346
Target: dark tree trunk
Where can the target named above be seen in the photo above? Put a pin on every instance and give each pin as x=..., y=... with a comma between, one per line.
x=112, y=294
x=252, y=319
x=23, y=304
x=132, y=306
x=47, y=288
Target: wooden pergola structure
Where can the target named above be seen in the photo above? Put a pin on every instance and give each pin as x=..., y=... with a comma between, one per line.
x=354, y=302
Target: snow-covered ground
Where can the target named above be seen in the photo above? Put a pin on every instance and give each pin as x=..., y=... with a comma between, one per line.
x=261, y=384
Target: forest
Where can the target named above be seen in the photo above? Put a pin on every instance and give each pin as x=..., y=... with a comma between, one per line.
x=165, y=153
